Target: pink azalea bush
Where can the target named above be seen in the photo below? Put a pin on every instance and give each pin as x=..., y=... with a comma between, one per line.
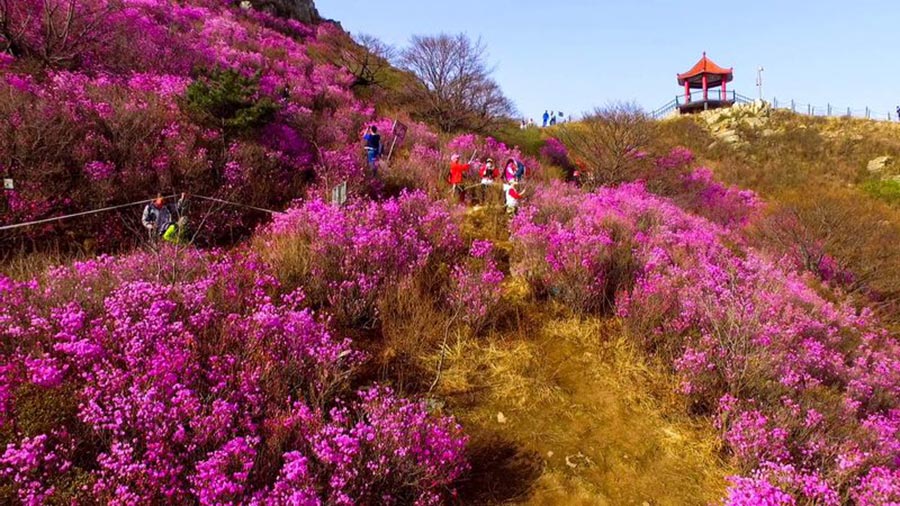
x=108, y=118
x=577, y=247
x=345, y=256
x=556, y=153
x=476, y=286
x=696, y=190
x=805, y=391
x=197, y=377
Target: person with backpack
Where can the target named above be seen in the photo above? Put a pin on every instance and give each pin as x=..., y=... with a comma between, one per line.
x=489, y=173
x=165, y=221
x=373, y=147
x=457, y=171
x=513, y=196
x=520, y=171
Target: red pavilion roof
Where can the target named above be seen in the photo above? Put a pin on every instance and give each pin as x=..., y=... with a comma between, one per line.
x=715, y=74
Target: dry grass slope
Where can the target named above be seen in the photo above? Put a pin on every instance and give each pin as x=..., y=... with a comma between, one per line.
x=564, y=410
x=814, y=174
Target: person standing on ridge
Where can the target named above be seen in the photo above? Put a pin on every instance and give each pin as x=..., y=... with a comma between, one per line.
x=164, y=220
x=553, y=119
x=546, y=118
x=373, y=147
x=898, y=113
x=457, y=170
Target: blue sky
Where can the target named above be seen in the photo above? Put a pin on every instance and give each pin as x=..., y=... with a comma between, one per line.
x=572, y=55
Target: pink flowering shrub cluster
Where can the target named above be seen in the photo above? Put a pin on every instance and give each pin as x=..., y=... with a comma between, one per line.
x=105, y=117
x=556, y=153
x=805, y=391
x=344, y=257
x=696, y=190
x=577, y=247
x=188, y=377
x=476, y=286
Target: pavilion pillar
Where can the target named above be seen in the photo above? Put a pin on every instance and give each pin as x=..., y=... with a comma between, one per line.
x=705, y=89
x=687, y=92
x=724, y=89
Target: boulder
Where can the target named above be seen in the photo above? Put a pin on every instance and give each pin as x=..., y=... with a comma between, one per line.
x=880, y=164
x=729, y=137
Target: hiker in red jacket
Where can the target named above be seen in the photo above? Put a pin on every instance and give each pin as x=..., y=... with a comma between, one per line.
x=457, y=170
x=489, y=174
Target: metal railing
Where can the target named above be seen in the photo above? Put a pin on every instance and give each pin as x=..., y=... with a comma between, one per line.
x=664, y=110
x=833, y=111
x=823, y=111
x=711, y=95
x=696, y=97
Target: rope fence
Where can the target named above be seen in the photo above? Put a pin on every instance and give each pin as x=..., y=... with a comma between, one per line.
x=130, y=204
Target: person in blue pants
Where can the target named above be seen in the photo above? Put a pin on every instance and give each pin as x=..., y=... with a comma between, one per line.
x=373, y=147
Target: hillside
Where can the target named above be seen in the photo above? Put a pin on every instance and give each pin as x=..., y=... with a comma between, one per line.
x=826, y=179
x=712, y=329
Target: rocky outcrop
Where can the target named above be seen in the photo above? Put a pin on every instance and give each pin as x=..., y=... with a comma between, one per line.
x=726, y=124
x=301, y=10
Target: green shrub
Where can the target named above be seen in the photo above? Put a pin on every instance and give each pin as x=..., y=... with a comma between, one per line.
x=228, y=100
x=888, y=190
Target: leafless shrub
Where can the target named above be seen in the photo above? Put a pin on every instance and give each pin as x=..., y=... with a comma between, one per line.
x=608, y=142
x=839, y=236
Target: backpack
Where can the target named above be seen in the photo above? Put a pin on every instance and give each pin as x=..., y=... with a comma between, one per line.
x=520, y=170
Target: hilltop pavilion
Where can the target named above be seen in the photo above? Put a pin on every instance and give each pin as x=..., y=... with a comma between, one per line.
x=703, y=76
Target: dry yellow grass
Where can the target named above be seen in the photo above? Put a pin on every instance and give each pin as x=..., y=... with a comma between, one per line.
x=583, y=416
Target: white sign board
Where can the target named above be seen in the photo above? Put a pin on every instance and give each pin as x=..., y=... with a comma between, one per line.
x=8, y=184
x=339, y=194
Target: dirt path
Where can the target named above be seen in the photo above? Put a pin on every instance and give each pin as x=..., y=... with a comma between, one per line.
x=569, y=413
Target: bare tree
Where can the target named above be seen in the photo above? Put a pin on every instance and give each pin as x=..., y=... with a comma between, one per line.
x=454, y=89
x=366, y=57
x=608, y=142
x=370, y=62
